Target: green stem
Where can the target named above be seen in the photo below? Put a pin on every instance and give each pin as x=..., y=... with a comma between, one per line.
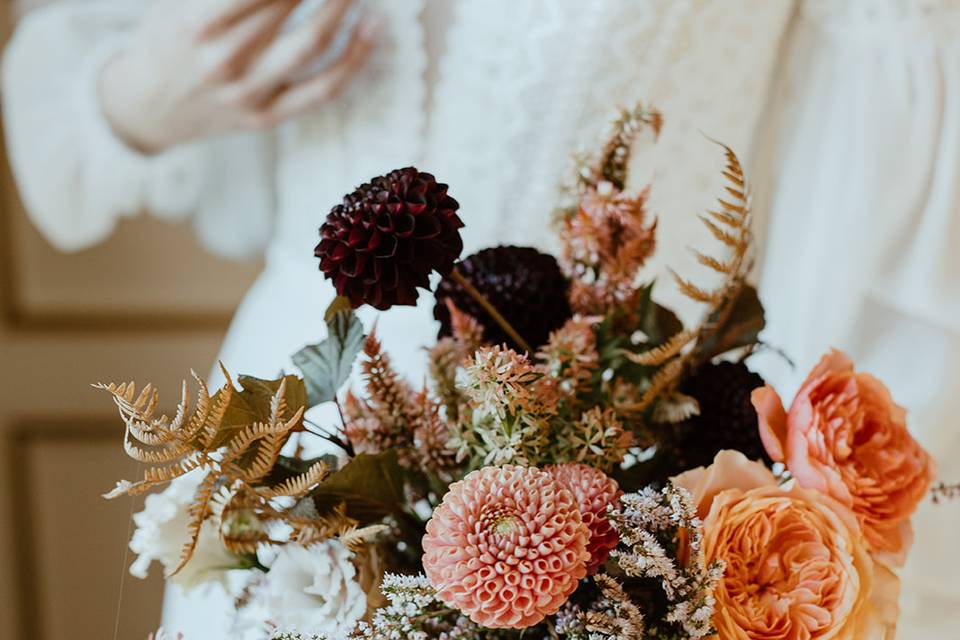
x=490, y=309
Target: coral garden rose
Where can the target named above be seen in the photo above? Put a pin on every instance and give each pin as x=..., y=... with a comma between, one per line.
x=844, y=436
x=507, y=546
x=796, y=564
x=594, y=491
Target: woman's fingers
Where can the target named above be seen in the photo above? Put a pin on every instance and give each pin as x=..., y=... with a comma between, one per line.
x=326, y=85
x=232, y=54
x=291, y=51
x=219, y=15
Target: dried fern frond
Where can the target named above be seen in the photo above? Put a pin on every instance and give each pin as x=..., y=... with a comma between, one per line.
x=170, y=447
x=355, y=538
x=235, y=436
x=661, y=383
x=675, y=407
x=664, y=352
x=198, y=512
x=299, y=485
x=731, y=226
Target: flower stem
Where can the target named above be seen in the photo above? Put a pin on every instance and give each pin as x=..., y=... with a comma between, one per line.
x=490, y=309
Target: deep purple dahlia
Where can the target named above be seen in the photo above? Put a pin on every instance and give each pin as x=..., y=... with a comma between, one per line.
x=385, y=238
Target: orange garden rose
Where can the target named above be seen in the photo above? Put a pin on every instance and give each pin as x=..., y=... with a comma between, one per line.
x=844, y=436
x=797, y=567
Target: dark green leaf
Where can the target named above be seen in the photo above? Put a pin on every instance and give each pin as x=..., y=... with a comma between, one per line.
x=327, y=365
x=656, y=321
x=741, y=328
x=370, y=485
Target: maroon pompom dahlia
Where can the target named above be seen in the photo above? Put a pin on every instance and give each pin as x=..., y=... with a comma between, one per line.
x=385, y=238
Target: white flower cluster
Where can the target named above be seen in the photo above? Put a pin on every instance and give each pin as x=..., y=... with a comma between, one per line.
x=412, y=612
x=649, y=522
x=314, y=590
x=507, y=417
x=162, y=533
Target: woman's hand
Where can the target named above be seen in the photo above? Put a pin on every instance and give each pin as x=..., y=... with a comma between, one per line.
x=195, y=68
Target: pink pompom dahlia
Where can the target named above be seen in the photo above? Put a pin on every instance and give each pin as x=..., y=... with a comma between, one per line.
x=507, y=546
x=594, y=491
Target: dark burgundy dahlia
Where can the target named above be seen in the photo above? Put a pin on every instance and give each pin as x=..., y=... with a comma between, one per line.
x=727, y=418
x=385, y=238
x=527, y=288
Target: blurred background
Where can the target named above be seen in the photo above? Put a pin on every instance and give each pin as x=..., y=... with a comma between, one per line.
x=149, y=303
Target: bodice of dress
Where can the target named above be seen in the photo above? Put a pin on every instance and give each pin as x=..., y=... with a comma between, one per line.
x=519, y=88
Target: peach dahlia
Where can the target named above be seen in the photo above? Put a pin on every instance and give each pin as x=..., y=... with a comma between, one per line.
x=594, y=491
x=507, y=546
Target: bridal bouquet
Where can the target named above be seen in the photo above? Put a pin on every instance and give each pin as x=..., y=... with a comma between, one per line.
x=580, y=465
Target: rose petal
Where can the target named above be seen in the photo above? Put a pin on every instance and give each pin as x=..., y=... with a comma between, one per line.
x=772, y=421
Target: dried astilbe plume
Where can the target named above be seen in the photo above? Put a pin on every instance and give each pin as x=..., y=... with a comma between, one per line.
x=613, y=162
x=661, y=538
x=605, y=244
x=227, y=437
x=450, y=354
x=386, y=418
x=431, y=437
x=608, y=236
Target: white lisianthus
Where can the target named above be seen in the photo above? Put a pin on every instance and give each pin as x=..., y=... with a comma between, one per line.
x=314, y=589
x=162, y=532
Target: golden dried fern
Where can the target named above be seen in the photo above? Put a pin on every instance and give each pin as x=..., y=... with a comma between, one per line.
x=236, y=436
x=171, y=447
x=663, y=353
x=730, y=224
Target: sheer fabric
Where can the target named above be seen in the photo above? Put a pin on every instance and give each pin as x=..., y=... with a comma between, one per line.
x=859, y=177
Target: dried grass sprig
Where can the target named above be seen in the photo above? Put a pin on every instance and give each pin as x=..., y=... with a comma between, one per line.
x=943, y=491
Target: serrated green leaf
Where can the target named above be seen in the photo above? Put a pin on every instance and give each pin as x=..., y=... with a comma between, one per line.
x=326, y=366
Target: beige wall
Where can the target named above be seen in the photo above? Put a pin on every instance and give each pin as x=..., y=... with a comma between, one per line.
x=120, y=311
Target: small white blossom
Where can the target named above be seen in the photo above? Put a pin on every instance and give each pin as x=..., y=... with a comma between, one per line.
x=645, y=521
